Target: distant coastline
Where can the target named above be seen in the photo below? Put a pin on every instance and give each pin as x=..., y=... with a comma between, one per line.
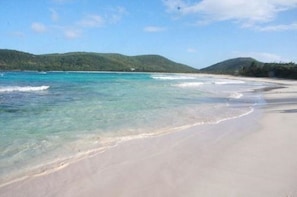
x=114, y=62
x=87, y=61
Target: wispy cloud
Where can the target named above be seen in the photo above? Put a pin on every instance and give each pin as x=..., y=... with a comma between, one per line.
x=54, y=15
x=72, y=33
x=112, y=16
x=92, y=21
x=17, y=34
x=154, y=29
x=288, y=27
x=174, y=5
x=191, y=50
x=116, y=14
x=77, y=29
x=246, y=13
x=61, y=1
x=38, y=27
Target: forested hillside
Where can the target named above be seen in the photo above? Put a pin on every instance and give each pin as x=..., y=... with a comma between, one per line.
x=83, y=61
x=230, y=66
x=253, y=68
x=279, y=70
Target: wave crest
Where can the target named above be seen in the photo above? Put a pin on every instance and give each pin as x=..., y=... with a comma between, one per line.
x=172, y=77
x=23, y=88
x=189, y=84
x=228, y=82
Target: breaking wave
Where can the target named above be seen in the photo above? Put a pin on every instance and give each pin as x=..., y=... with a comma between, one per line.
x=171, y=77
x=189, y=84
x=236, y=95
x=23, y=88
x=229, y=82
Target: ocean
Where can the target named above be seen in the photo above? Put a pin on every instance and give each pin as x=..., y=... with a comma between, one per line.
x=49, y=118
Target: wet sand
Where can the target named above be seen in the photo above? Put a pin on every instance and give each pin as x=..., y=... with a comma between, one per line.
x=254, y=155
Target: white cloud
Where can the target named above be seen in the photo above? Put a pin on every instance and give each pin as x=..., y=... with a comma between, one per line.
x=113, y=16
x=54, y=15
x=191, y=50
x=92, y=21
x=72, y=33
x=38, y=27
x=153, y=29
x=292, y=26
x=174, y=5
x=245, y=12
x=80, y=27
x=116, y=15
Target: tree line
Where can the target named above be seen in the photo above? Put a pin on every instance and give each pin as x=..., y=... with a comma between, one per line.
x=278, y=70
x=85, y=61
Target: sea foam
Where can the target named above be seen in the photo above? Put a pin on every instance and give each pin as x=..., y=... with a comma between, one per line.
x=236, y=95
x=229, y=82
x=189, y=84
x=23, y=88
x=172, y=77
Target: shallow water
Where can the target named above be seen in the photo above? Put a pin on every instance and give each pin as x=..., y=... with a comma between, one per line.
x=49, y=116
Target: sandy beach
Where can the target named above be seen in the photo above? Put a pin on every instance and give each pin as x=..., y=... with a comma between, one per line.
x=254, y=155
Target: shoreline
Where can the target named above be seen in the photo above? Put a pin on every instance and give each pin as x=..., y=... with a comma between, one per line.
x=196, y=161
x=56, y=165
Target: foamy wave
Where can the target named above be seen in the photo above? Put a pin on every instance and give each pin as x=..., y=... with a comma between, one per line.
x=236, y=95
x=171, y=77
x=23, y=88
x=229, y=82
x=251, y=110
x=189, y=84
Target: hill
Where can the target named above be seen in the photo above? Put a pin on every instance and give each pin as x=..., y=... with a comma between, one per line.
x=84, y=61
x=231, y=66
x=253, y=68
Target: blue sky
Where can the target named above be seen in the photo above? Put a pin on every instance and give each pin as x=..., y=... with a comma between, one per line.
x=197, y=33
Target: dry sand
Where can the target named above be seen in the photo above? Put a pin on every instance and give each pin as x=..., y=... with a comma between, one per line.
x=251, y=156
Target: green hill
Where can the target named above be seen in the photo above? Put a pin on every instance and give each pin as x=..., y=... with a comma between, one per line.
x=83, y=61
x=253, y=68
x=231, y=66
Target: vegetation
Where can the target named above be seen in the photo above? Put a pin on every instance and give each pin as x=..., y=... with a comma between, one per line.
x=253, y=68
x=231, y=66
x=279, y=70
x=83, y=61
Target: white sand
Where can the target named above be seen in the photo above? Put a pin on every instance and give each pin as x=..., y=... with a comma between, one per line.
x=254, y=155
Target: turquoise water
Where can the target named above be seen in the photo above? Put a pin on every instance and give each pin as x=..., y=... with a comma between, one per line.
x=47, y=117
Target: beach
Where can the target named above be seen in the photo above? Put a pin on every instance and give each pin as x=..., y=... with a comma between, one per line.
x=252, y=155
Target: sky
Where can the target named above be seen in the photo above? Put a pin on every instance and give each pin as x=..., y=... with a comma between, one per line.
x=192, y=32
